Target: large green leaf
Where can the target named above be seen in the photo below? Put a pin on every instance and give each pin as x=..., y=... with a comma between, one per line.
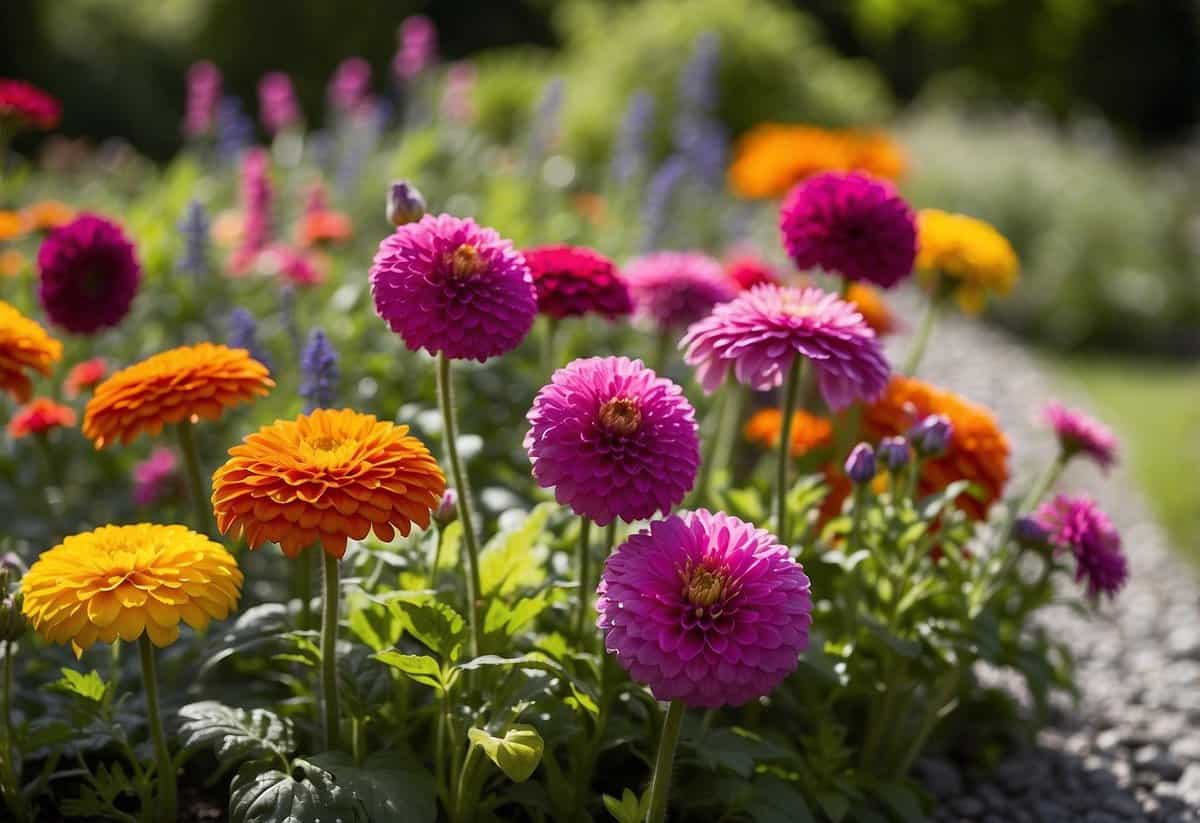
x=90, y=686
x=420, y=667
x=436, y=625
x=391, y=786
x=509, y=562
x=308, y=795
x=235, y=735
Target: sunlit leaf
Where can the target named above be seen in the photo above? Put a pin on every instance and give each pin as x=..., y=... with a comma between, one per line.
x=517, y=753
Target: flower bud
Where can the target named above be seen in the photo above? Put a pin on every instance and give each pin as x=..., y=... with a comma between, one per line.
x=404, y=204
x=893, y=453
x=447, y=511
x=12, y=622
x=1030, y=533
x=931, y=437
x=860, y=465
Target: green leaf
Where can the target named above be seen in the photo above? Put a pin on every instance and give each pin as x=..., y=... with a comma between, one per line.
x=419, y=667
x=834, y=804
x=508, y=621
x=88, y=686
x=373, y=623
x=628, y=809
x=391, y=786
x=517, y=753
x=901, y=800
x=308, y=795
x=439, y=627
x=450, y=547
x=509, y=562
x=777, y=801
x=366, y=683
x=235, y=735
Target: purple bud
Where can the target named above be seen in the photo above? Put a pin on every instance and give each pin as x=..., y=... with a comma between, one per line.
x=860, y=465
x=931, y=437
x=1029, y=532
x=893, y=453
x=404, y=204
x=447, y=511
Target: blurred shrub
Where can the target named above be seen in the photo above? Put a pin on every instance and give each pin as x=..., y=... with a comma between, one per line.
x=1109, y=248
x=508, y=84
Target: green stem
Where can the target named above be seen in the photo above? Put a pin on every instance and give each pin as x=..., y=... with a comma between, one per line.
x=358, y=741
x=196, y=485
x=921, y=341
x=549, y=364
x=450, y=433
x=662, y=351
x=9, y=748
x=303, y=566
x=329, y=632
x=787, y=409
x=167, y=806
x=731, y=417
x=852, y=546
x=439, y=751
x=585, y=565
x=664, y=764
x=464, y=782
x=941, y=699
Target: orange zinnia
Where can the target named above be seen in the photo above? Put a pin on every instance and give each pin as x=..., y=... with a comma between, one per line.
x=12, y=224
x=23, y=345
x=808, y=431
x=48, y=214
x=874, y=309
x=40, y=415
x=323, y=478
x=187, y=383
x=320, y=228
x=978, y=450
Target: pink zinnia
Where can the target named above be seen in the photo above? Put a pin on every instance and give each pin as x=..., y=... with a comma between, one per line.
x=88, y=274
x=1079, y=434
x=203, y=95
x=761, y=332
x=155, y=478
x=674, y=289
x=418, y=46
x=573, y=281
x=449, y=286
x=291, y=265
x=350, y=84
x=851, y=225
x=748, y=270
x=25, y=106
x=257, y=202
x=277, y=104
x=1077, y=524
x=613, y=439
x=705, y=609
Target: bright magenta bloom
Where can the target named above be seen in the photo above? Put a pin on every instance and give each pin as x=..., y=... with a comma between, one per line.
x=450, y=286
x=761, y=332
x=156, y=478
x=574, y=280
x=673, y=289
x=88, y=275
x=277, y=106
x=852, y=225
x=25, y=106
x=1078, y=525
x=706, y=609
x=613, y=439
x=1079, y=434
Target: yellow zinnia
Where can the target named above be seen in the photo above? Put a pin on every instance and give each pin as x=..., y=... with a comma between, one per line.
x=966, y=255
x=126, y=581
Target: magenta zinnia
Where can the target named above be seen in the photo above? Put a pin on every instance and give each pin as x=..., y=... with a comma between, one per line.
x=573, y=281
x=1077, y=524
x=613, y=439
x=25, y=106
x=850, y=225
x=761, y=332
x=88, y=274
x=705, y=609
x=452, y=287
x=674, y=289
x=1079, y=434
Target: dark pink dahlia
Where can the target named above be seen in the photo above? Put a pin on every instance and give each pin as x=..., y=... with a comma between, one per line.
x=572, y=281
x=613, y=439
x=851, y=225
x=88, y=274
x=761, y=332
x=449, y=286
x=1077, y=524
x=25, y=106
x=705, y=609
x=1079, y=434
x=674, y=289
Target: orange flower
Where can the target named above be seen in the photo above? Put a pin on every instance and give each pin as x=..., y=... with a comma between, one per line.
x=84, y=376
x=773, y=157
x=808, y=431
x=40, y=415
x=326, y=477
x=23, y=345
x=320, y=228
x=187, y=383
x=593, y=207
x=874, y=309
x=12, y=263
x=12, y=225
x=978, y=450
x=48, y=214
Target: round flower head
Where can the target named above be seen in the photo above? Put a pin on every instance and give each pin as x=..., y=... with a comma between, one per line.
x=452, y=287
x=24, y=346
x=851, y=225
x=705, y=609
x=808, y=431
x=748, y=270
x=761, y=332
x=84, y=376
x=572, y=281
x=326, y=477
x=613, y=439
x=40, y=416
x=1077, y=524
x=88, y=275
x=126, y=581
x=773, y=157
x=25, y=106
x=1079, y=434
x=976, y=259
x=187, y=383
x=672, y=289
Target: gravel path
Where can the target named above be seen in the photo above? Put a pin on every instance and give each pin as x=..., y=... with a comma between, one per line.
x=1130, y=751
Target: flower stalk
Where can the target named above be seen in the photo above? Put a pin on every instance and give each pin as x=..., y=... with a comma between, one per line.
x=165, y=768
x=787, y=408
x=584, y=564
x=329, y=632
x=664, y=763
x=196, y=485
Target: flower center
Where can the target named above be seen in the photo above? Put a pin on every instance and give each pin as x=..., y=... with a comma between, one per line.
x=621, y=416
x=466, y=262
x=327, y=451
x=704, y=587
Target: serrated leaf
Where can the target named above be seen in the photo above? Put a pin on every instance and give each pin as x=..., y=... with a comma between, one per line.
x=235, y=735
x=419, y=667
x=307, y=795
x=90, y=686
x=373, y=623
x=517, y=753
x=365, y=681
x=391, y=786
x=508, y=621
x=509, y=561
x=439, y=627
x=776, y=801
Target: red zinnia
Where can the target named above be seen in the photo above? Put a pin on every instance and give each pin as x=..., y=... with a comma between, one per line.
x=573, y=281
x=40, y=415
x=84, y=376
x=25, y=106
